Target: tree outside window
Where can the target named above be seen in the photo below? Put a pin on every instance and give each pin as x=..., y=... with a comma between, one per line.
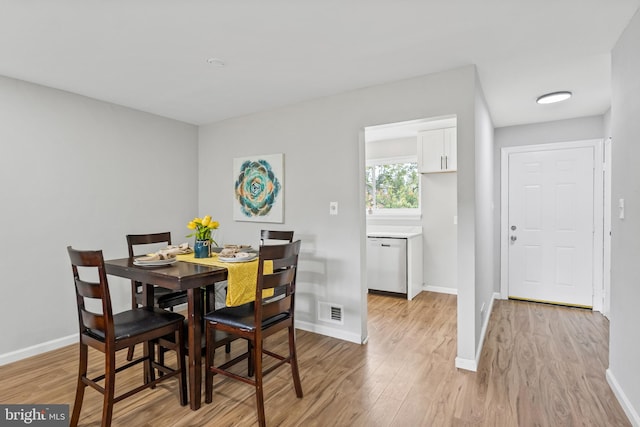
x=392, y=184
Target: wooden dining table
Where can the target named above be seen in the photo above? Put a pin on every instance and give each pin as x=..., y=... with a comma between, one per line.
x=178, y=276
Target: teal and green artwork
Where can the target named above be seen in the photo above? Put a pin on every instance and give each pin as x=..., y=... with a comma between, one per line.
x=258, y=188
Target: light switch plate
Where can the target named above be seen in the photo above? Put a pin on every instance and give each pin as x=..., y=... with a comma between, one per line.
x=333, y=208
x=621, y=208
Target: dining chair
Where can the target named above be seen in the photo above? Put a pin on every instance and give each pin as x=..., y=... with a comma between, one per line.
x=107, y=332
x=256, y=321
x=166, y=298
x=162, y=297
x=266, y=236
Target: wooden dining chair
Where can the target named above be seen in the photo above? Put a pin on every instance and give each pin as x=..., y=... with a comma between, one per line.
x=107, y=332
x=258, y=320
x=266, y=236
x=162, y=297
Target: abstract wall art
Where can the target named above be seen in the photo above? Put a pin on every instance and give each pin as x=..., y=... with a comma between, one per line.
x=258, y=188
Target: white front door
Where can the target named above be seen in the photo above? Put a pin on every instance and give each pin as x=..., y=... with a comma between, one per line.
x=551, y=226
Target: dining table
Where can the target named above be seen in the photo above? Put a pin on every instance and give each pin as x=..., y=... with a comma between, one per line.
x=178, y=276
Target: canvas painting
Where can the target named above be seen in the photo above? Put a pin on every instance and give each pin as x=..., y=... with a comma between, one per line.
x=258, y=188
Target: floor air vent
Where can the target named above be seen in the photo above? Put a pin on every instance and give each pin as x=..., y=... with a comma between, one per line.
x=328, y=312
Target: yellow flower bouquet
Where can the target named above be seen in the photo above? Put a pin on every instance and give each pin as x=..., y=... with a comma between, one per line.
x=202, y=230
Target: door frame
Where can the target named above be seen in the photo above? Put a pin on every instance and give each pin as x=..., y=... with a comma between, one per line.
x=599, y=294
x=606, y=249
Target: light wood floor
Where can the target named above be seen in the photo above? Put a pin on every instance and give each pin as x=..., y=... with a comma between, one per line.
x=541, y=366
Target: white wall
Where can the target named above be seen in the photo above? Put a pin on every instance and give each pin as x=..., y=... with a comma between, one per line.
x=323, y=143
x=386, y=148
x=486, y=258
x=624, y=344
x=582, y=128
x=439, y=233
x=606, y=124
x=80, y=172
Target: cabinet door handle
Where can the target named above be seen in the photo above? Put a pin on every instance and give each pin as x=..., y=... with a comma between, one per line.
x=441, y=159
x=446, y=162
x=385, y=245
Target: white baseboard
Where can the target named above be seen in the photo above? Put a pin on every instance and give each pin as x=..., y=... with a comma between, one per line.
x=441, y=290
x=23, y=353
x=466, y=364
x=628, y=408
x=34, y=350
x=485, y=326
x=472, y=365
x=328, y=331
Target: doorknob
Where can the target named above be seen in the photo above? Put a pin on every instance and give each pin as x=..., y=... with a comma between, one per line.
x=514, y=238
x=513, y=227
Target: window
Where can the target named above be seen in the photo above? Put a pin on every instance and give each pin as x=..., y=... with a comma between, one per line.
x=393, y=186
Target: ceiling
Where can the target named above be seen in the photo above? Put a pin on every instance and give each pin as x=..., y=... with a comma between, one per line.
x=152, y=55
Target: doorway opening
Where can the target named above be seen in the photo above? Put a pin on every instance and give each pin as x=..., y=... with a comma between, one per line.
x=552, y=222
x=409, y=206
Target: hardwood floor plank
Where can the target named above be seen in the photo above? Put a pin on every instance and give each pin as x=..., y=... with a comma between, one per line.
x=541, y=365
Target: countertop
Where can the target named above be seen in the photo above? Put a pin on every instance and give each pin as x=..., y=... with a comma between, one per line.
x=393, y=234
x=397, y=232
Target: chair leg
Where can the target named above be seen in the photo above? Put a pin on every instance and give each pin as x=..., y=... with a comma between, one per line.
x=134, y=305
x=295, y=373
x=151, y=349
x=82, y=372
x=182, y=365
x=130, y=353
x=227, y=348
x=209, y=359
x=109, y=388
x=257, y=347
x=161, y=351
x=250, y=359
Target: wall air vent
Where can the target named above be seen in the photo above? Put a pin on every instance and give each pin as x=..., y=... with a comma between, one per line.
x=329, y=312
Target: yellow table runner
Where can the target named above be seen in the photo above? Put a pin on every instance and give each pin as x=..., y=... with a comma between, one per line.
x=241, y=277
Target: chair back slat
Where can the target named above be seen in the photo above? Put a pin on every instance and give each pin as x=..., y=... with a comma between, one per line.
x=278, y=278
x=146, y=239
x=88, y=289
x=267, y=235
x=92, y=320
x=275, y=307
x=281, y=263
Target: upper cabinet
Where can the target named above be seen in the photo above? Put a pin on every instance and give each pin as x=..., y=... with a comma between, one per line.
x=437, y=151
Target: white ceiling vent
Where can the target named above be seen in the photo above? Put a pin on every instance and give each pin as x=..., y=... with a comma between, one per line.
x=329, y=312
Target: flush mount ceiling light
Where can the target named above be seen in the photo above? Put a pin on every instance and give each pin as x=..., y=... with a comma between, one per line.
x=216, y=62
x=550, y=98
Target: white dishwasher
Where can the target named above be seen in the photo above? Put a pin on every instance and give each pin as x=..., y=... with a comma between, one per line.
x=387, y=264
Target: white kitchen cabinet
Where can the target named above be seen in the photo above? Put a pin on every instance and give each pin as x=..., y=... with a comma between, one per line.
x=437, y=151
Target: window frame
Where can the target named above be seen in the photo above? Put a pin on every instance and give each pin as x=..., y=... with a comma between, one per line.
x=396, y=213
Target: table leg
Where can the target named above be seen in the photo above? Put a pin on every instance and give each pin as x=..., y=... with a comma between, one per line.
x=195, y=351
x=147, y=301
